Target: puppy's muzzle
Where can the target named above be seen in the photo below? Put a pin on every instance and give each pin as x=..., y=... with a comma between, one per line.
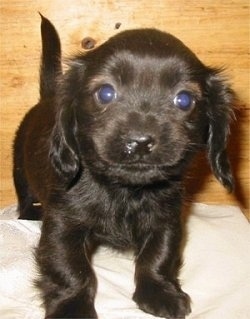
x=140, y=145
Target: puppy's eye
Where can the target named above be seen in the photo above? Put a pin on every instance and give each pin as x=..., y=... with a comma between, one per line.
x=106, y=94
x=184, y=100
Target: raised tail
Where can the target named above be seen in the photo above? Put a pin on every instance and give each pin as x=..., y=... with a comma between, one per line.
x=51, y=66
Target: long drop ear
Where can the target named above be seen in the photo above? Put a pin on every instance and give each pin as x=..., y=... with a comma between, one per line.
x=64, y=153
x=64, y=148
x=220, y=112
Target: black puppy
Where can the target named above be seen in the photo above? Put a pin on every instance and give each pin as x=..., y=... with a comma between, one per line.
x=105, y=151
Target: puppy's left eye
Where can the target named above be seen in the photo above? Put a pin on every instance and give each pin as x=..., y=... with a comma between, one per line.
x=106, y=94
x=184, y=100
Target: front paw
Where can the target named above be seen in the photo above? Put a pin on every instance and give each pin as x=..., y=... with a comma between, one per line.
x=162, y=299
x=72, y=309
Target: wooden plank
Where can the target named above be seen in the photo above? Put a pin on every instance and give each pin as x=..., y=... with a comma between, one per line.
x=217, y=31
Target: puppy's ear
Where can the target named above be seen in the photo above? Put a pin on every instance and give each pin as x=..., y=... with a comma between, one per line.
x=64, y=148
x=220, y=99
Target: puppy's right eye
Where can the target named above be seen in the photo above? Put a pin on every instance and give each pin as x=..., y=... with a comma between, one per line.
x=106, y=94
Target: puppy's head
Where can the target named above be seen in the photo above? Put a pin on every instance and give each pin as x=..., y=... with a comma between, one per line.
x=135, y=109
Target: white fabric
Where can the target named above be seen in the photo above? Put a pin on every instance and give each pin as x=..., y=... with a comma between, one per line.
x=216, y=272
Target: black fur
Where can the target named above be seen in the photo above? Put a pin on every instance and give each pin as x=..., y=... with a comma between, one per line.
x=111, y=173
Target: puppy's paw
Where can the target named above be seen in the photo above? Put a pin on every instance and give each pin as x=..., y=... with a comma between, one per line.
x=70, y=315
x=162, y=300
x=72, y=309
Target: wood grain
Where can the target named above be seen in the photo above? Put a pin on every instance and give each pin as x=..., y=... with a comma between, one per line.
x=217, y=31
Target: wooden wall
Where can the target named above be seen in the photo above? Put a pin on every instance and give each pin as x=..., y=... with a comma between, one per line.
x=217, y=31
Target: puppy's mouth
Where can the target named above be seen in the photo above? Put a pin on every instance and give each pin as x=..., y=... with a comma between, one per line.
x=137, y=167
x=139, y=163
x=138, y=173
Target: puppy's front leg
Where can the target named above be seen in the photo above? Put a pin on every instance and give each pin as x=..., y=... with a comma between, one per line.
x=68, y=282
x=157, y=289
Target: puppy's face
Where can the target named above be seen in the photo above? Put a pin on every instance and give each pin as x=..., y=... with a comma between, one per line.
x=138, y=105
x=144, y=114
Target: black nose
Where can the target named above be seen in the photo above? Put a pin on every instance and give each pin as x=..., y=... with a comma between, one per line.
x=140, y=145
